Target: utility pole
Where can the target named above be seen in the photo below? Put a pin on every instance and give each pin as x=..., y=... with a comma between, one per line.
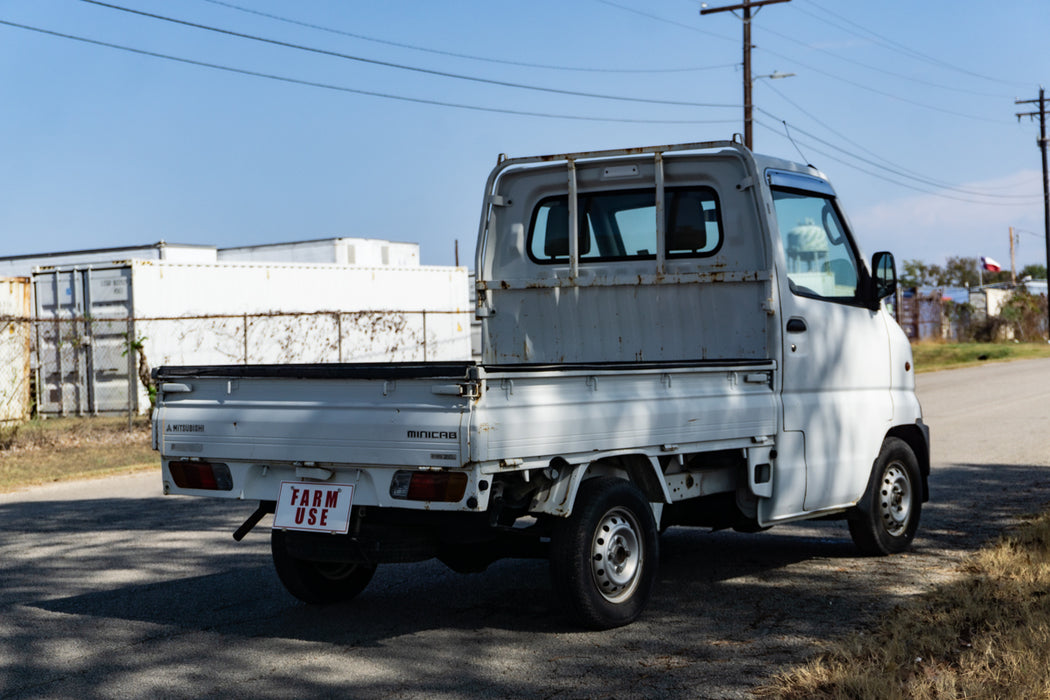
x=746, y=16
x=1013, y=260
x=1046, y=182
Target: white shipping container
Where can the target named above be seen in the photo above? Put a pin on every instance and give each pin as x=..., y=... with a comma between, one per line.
x=236, y=313
x=15, y=374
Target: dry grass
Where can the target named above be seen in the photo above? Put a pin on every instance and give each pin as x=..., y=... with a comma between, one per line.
x=986, y=635
x=931, y=356
x=42, y=451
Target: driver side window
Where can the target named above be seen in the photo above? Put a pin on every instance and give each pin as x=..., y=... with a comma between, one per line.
x=820, y=260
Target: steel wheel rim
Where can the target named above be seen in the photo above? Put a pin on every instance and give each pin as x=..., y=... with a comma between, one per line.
x=895, y=499
x=617, y=555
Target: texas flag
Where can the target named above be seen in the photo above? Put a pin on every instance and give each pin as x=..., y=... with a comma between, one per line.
x=990, y=265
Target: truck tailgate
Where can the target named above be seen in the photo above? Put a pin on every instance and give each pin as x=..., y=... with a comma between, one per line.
x=342, y=414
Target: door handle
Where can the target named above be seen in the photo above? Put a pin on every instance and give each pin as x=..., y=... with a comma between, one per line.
x=796, y=325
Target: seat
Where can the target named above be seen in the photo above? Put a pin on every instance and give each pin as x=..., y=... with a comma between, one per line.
x=687, y=225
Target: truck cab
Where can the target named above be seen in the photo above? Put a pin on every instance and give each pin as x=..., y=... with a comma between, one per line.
x=706, y=253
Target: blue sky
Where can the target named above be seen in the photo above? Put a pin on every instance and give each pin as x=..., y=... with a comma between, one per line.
x=907, y=106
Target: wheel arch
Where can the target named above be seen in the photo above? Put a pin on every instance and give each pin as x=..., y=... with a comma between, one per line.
x=917, y=438
x=638, y=469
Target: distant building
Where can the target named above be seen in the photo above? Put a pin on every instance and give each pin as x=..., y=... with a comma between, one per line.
x=23, y=265
x=365, y=252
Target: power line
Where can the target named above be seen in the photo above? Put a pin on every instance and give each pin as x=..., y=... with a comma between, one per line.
x=809, y=67
x=919, y=177
x=370, y=93
x=454, y=54
x=415, y=69
x=881, y=174
x=877, y=69
x=657, y=18
x=868, y=88
x=895, y=45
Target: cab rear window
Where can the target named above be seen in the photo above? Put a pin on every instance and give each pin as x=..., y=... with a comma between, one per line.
x=621, y=225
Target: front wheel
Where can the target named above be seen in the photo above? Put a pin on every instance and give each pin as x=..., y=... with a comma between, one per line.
x=887, y=517
x=317, y=582
x=604, y=556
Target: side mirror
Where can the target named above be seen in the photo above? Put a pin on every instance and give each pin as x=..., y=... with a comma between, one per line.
x=884, y=277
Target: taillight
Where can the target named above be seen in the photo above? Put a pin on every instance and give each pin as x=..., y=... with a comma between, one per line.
x=428, y=486
x=201, y=475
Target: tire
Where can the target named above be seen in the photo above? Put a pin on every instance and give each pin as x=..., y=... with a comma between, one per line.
x=604, y=556
x=317, y=582
x=887, y=517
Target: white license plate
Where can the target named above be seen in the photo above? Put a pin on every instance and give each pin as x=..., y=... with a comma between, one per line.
x=314, y=507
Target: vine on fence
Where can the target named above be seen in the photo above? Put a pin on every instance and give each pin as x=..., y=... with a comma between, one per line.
x=136, y=345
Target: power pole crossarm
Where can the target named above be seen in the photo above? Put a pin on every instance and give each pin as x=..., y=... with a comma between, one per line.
x=741, y=6
x=747, y=6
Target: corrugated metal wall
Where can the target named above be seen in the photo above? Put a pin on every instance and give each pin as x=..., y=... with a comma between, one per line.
x=82, y=346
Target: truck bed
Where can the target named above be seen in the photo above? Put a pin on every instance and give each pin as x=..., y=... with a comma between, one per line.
x=362, y=422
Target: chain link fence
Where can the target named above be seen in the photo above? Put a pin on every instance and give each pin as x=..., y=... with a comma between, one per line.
x=88, y=366
x=15, y=369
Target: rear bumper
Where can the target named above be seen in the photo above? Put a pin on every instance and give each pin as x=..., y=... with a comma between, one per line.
x=262, y=482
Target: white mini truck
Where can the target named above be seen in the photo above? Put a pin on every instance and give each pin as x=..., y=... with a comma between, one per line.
x=676, y=335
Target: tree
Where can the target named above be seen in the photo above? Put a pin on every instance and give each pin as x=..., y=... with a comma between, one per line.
x=957, y=271
x=919, y=274
x=1036, y=272
x=960, y=272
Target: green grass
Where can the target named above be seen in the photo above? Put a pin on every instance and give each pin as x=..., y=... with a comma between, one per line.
x=930, y=357
x=58, y=449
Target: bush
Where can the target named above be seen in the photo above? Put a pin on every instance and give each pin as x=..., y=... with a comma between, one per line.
x=1026, y=314
x=8, y=435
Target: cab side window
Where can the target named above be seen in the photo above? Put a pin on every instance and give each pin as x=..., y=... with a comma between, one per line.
x=821, y=262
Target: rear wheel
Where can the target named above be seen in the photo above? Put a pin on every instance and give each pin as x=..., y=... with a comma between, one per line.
x=604, y=556
x=887, y=517
x=317, y=582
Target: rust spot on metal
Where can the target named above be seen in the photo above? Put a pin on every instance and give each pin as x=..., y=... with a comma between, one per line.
x=504, y=284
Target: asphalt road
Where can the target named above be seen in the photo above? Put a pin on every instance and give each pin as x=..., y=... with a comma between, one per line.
x=110, y=590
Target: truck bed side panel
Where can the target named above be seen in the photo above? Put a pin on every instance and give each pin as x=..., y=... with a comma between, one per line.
x=569, y=413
